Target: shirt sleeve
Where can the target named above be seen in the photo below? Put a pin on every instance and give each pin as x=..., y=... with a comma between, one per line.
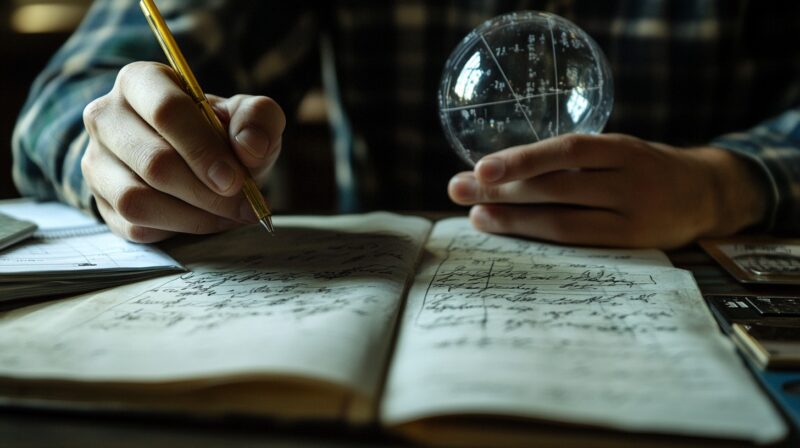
x=774, y=147
x=49, y=138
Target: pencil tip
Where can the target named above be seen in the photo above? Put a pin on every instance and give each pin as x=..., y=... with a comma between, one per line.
x=267, y=223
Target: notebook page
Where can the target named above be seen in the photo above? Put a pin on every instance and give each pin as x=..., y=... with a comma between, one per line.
x=46, y=215
x=317, y=300
x=587, y=336
x=69, y=243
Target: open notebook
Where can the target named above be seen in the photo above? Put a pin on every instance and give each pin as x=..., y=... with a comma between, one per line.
x=438, y=332
x=71, y=252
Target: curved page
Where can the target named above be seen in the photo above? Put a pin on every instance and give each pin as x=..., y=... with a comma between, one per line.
x=318, y=301
x=607, y=338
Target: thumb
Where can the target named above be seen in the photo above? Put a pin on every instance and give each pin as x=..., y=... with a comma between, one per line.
x=255, y=127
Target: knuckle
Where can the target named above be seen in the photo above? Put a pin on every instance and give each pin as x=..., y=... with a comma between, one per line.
x=130, y=72
x=138, y=69
x=523, y=158
x=572, y=144
x=86, y=164
x=156, y=164
x=89, y=164
x=239, y=97
x=88, y=157
x=91, y=114
x=492, y=193
x=131, y=203
x=167, y=107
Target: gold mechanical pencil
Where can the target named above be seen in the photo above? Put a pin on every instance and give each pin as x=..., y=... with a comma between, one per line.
x=190, y=85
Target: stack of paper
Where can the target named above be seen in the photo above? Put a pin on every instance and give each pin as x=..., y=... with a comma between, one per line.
x=70, y=253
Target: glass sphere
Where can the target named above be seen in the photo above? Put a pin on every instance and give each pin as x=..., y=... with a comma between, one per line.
x=520, y=78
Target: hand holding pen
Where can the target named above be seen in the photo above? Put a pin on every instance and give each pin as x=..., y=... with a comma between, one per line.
x=156, y=166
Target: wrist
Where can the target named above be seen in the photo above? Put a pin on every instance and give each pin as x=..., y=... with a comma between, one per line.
x=738, y=195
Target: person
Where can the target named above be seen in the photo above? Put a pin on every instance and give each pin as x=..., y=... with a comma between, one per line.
x=704, y=142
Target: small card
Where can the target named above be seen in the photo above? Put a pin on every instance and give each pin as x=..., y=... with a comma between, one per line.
x=758, y=259
x=14, y=230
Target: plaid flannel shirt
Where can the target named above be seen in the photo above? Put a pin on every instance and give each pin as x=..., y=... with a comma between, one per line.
x=724, y=73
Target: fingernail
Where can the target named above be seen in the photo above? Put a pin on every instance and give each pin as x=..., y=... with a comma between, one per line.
x=246, y=213
x=480, y=218
x=222, y=175
x=254, y=140
x=465, y=187
x=491, y=169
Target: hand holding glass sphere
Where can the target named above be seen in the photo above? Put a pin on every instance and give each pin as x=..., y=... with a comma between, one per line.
x=520, y=78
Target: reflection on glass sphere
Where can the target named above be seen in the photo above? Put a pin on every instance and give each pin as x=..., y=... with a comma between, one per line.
x=520, y=78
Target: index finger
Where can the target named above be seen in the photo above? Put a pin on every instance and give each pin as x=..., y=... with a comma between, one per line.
x=566, y=152
x=153, y=92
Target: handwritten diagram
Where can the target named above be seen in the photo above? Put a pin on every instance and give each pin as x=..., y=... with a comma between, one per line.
x=527, y=288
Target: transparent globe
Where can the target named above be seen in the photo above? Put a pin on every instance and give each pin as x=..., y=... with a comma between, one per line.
x=520, y=78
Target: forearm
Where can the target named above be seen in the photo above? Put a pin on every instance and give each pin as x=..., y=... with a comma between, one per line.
x=49, y=141
x=49, y=137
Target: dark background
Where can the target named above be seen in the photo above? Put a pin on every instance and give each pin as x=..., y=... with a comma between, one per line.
x=32, y=30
